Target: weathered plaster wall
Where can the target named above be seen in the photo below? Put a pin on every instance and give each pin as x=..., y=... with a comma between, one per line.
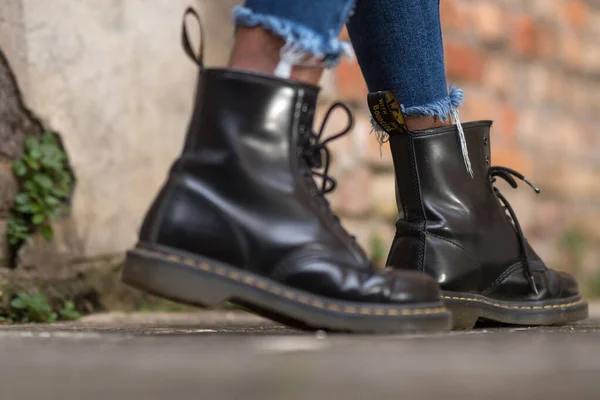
x=110, y=77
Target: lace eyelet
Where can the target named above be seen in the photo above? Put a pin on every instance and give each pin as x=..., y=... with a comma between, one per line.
x=487, y=160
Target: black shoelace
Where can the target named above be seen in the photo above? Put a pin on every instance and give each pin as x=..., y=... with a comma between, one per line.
x=316, y=153
x=509, y=176
x=317, y=156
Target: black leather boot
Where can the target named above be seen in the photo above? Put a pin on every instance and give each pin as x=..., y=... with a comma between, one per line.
x=462, y=231
x=241, y=219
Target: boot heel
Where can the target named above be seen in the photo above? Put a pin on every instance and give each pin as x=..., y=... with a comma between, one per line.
x=174, y=281
x=463, y=318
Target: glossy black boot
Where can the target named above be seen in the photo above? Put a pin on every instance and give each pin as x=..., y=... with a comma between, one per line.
x=462, y=231
x=241, y=219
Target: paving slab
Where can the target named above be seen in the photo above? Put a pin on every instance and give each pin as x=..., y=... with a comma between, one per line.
x=234, y=355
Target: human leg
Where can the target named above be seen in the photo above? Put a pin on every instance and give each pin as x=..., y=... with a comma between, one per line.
x=398, y=45
x=454, y=224
x=241, y=218
x=290, y=39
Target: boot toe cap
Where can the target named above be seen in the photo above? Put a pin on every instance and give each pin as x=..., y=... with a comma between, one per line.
x=567, y=285
x=414, y=287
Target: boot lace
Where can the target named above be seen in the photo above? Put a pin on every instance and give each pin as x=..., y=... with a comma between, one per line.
x=317, y=156
x=509, y=176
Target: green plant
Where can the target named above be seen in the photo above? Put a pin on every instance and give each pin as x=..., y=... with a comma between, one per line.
x=31, y=308
x=378, y=249
x=25, y=307
x=45, y=182
x=68, y=312
x=573, y=246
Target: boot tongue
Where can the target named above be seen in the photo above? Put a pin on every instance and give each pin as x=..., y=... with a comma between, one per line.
x=386, y=111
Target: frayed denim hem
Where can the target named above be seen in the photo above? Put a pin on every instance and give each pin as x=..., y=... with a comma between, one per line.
x=300, y=42
x=444, y=109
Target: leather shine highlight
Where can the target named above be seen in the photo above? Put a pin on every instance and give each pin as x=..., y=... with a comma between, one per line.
x=240, y=193
x=453, y=227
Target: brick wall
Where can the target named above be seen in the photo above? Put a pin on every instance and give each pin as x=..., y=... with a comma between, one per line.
x=534, y=68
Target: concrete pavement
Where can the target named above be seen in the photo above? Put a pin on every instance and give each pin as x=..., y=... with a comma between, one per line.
x=232, y=355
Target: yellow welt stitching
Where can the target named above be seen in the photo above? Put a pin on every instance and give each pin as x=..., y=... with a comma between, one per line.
x=276, y=290
x=318, y=303
x=261, y=285
x=563, y=305
x=205, y=267
x=290, y=295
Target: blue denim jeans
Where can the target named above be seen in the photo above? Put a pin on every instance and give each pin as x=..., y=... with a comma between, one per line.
x=398, y=44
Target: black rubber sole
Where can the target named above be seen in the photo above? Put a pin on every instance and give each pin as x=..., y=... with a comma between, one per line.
x=467, y=309
x=204, y=282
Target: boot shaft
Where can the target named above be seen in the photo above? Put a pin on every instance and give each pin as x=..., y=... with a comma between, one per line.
x=241, y=183
x=451, y=225
x=251, y=120
x=432, y=181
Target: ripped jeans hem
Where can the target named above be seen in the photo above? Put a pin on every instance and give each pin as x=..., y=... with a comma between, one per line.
x=301, y=42
x=444, y=109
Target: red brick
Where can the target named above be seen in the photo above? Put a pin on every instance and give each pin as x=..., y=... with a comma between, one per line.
x=547, y=9
x=453, y=16
x=590, y=58
x=550, y=174
x=548, y=214
x=585, y=221
x=383, y=195
x=507, y=123
x=576, y=13
x=378, y=155
x=374, y=154
x=351, y=196
x=547, y=43
x=539, y=81
x=499, y=76
x=524, y=35
x=570, y=49
x=532, y=39
x=350, y=82
x=489, y=21
x=512, y=157
x=464, y=61
x=479, y=105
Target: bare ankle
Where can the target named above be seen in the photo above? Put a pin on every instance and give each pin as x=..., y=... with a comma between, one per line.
x=258, y=50
x=426, y=122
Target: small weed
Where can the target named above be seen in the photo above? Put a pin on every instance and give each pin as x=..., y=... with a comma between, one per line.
x=26, y=307
x=378, y=250
x=45, y=182
x=31, y=308
x=68, y=312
